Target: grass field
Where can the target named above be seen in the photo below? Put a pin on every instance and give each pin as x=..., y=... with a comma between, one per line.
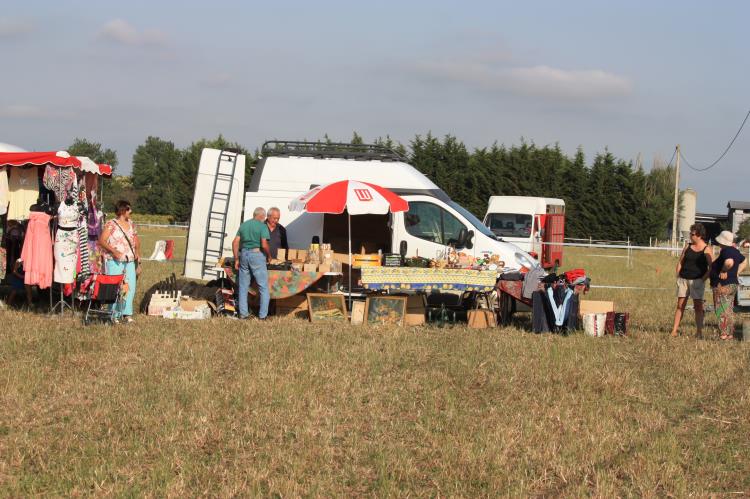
x=287, y=408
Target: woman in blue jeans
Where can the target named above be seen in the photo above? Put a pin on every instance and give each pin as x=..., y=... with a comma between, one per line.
x=122, y=252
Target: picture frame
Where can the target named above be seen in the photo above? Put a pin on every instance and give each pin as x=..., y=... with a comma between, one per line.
x=358, y=313
x=384, y=309
x=324, y=307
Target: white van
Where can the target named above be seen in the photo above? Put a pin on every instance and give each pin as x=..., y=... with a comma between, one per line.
x=288, y=169
x=528, y=222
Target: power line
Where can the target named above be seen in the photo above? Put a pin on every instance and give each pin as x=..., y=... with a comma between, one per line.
x=722, y=154
x=673, y=155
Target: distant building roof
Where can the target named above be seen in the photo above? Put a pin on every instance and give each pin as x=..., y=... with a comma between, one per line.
x=10, y=148
x=738, y=205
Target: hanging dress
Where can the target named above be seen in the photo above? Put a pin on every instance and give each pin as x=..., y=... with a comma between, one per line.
x=3, y=190
x=66, y=243
x=37, y=251
x=23, y=191
x=59, y=180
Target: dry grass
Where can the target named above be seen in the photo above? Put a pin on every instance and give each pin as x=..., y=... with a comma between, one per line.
x=287, y=408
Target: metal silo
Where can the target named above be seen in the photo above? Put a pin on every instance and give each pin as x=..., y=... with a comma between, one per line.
x=687, y=212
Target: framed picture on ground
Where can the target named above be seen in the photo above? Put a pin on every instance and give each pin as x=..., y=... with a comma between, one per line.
x=385, y=310
x=358, y=312
x=326, y=308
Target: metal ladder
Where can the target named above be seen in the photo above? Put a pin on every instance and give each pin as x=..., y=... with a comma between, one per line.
x=216, y=223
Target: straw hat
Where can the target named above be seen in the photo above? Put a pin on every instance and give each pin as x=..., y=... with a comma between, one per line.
x=726, y=238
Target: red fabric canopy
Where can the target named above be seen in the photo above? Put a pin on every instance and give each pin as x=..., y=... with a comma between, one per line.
x=105, y=169
x=55, y=158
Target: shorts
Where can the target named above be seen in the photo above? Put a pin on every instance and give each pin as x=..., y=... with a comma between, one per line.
x=695, y=288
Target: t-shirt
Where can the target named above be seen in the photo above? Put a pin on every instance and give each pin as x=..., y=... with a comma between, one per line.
x=278, y=240
x=726, y=253
x=251, y=232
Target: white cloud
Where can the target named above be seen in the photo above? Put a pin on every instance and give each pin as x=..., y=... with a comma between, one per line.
x=11, y=28
x=534, y=81
x=122, y=32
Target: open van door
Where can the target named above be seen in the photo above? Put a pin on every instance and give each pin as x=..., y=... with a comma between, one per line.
x=217, y=212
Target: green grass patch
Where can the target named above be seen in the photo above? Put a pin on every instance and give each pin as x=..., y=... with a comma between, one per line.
x=288, y=408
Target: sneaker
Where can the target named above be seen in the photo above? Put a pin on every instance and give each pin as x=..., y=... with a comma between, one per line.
x=127, y=319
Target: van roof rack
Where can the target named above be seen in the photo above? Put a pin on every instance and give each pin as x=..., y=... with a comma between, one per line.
x=329, y=150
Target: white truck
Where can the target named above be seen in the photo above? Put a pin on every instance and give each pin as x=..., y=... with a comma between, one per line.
x=534, y=224
x=288, y=169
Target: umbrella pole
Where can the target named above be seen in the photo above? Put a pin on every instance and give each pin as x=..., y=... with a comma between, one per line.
x=349, y=221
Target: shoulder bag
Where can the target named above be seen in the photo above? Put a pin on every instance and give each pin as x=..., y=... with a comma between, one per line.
x=137, y=260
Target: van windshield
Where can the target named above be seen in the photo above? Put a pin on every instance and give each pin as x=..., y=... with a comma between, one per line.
x=472, y=219
x=510, y=224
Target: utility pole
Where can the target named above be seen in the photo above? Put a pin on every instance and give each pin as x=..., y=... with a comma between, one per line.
x=676, y=197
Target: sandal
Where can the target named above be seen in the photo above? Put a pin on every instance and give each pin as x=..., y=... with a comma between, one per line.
x=725, y=337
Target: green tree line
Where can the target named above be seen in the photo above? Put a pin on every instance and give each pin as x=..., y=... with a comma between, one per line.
x=607, y=198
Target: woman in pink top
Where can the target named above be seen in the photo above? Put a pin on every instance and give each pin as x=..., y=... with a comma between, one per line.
x=122, y=252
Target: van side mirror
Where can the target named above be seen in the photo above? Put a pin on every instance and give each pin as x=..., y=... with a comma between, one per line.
x=402, y=249
x=463, y=238
x=469, y=240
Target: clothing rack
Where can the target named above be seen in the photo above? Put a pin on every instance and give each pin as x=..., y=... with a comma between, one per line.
x=55, y=227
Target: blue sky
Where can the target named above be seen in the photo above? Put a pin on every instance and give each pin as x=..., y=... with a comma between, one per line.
x=634, y=77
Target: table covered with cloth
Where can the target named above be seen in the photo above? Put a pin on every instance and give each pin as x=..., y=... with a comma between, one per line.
x=286, y=283
x=410, y=278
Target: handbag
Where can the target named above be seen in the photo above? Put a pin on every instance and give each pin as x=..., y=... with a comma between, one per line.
x=137, y=260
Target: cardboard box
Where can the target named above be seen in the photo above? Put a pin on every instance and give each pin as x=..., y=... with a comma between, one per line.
x=324, y=267
x=291, y=254
x=190, y=304
x=481, y=318
x=415, y=310
x=163, y=301
x=281, y=254
x=595, y=307
x=199, y=313
x=296, y=306
x=310, y=267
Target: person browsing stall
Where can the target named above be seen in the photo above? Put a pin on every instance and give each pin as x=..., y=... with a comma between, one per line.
x=251, y=253
x=122, y=253
x=692, y=272
x=278, y=232
x=724, y=271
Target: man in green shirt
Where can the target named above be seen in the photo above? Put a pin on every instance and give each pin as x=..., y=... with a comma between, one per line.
x=251, y=252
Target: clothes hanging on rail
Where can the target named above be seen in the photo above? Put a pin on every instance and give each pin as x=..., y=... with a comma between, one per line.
x=23, y=191
x=37, y=251
x=66, y=255
x=59, y=180
x=66, y=243
x=3, y=190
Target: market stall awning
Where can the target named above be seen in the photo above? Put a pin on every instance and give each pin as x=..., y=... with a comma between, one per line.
x=88, y=165
x=54, y=158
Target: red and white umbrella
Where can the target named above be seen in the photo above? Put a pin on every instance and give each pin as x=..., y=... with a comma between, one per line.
x=357, y=198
